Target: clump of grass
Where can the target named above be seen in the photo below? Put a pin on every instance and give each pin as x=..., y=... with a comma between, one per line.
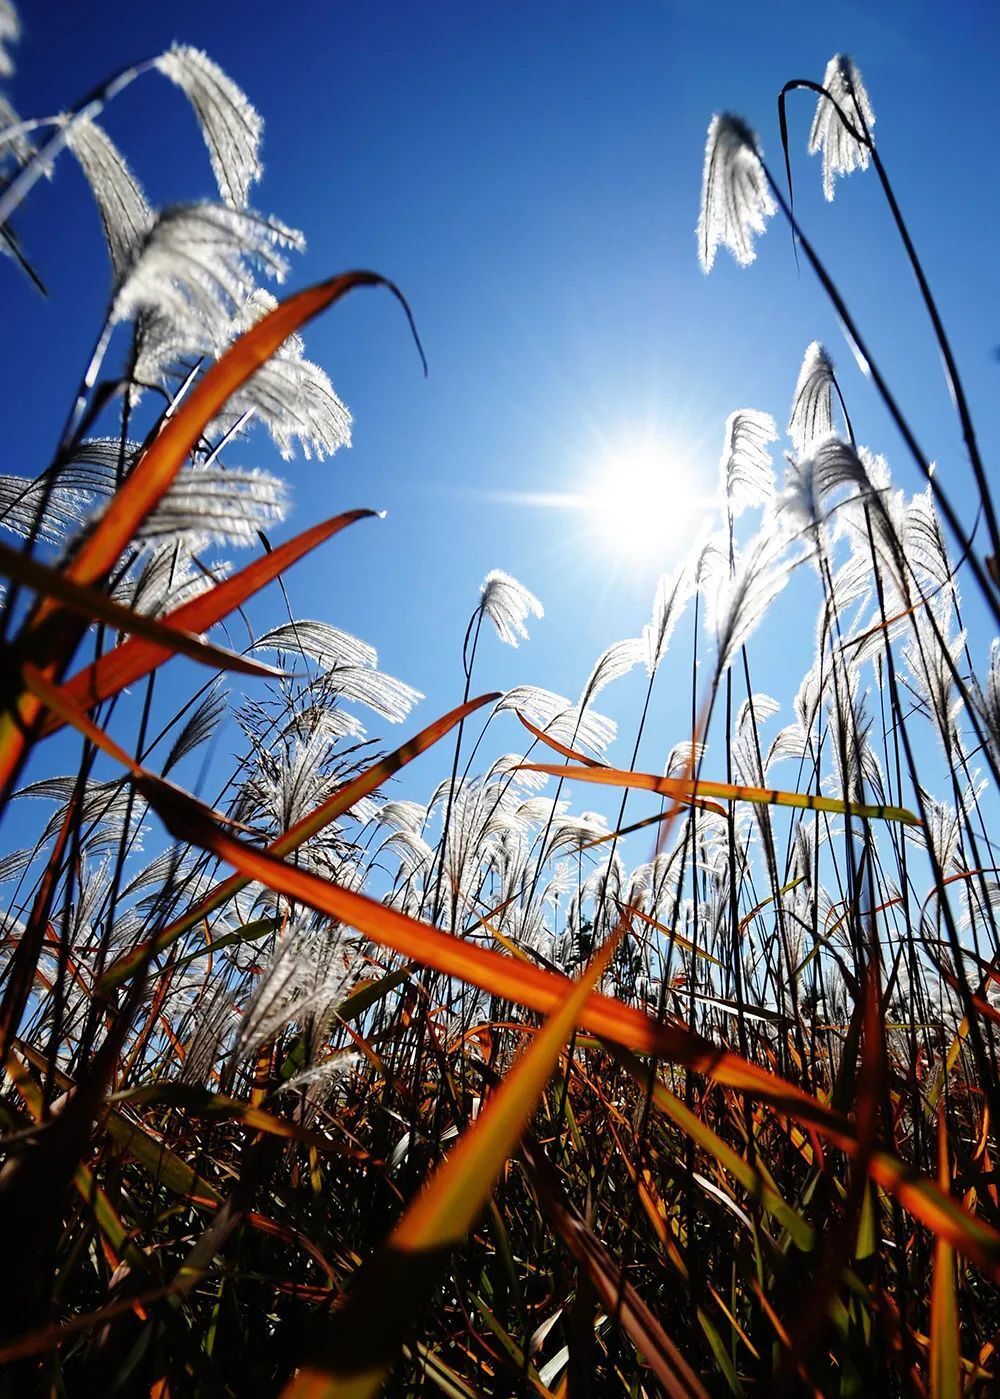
x=331, y=1089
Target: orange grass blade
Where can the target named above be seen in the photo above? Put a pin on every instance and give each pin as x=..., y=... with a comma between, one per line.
x=136, y=657
x=96, y=606
x=371, y=1327
x=683, y=789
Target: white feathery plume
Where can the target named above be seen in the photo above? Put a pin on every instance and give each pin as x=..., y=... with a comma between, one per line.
x=213, y=1019
x=212, y=502
x=308, y=975
x=290, y=394
x=14, y=141
x=125, y=215
x=10, y=32
x=683, y=758
x=842, y=150
x=614, y=662
x=198, y=728
x=163, y=579
x=735, y=602
x=746, y=477
x=102, y=812
x=924, y=544
x=735, y=199
x=672, y=593
x=231, y=127
x=811, y=481
x=560, y=718
x=412, y=851
x=506, y=769
x=195, y=267
x=400, y=815
x=391, y=698
x=508, y=604
x=932, y=667
x=811, y=418
x=29, y=506
x=328, y=646
x=14, y=864
x=986, y=698
x=203, y=503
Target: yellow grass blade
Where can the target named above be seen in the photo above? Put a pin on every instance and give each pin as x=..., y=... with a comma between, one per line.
x=945, y=1372
x=683, y=789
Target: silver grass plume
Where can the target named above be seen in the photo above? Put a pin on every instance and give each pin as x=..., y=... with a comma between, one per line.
x=735, y=199
x=102, y=812
x=986, y=698
x=198, y=728
x=215, y=503
x=811, y=482
x=388, y=697
x=672, y=593
x=327, y=645
x=292, y=396
x=307, y=977
x=50, y=513
x=163, y=578
x=560, y=718
x=204, y=502
x=746, y=477
x=125, y=215
x=508, y=604
x=614, y=662
x=10, y=32
x=811, y=418
x=231, y=127
x=841, y=149
x=195, y=268
x=736, y=601
x=14, y=142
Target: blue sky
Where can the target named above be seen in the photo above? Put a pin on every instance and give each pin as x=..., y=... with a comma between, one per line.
x=529, y=174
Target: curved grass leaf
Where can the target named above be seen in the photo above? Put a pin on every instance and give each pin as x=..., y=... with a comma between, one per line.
x=140, y=655
x=95, y=606
x=682, y=789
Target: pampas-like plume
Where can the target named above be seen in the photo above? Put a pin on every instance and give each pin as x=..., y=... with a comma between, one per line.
x=735, y=199
x=10, y=32
x=560, y=718
x=841, y=149
x=811, y=418
x=203, y=503
x=508, y=604
x=194, y=269
x=735, y=602
x=746, y=477
x=811, y=481
x=672, y=592
x=290, y=394
x=614, y=662
x=230, y=125
x=328, y=646
x=125, y=215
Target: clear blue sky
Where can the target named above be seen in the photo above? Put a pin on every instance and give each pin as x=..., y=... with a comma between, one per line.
x=529, y=174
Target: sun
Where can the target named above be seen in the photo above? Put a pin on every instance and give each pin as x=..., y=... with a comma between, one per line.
x=645, y=500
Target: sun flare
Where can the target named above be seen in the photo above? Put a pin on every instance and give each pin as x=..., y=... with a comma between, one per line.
x=645, y=499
